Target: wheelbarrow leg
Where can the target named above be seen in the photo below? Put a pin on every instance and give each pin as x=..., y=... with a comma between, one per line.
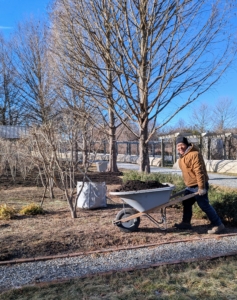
x=157, y=223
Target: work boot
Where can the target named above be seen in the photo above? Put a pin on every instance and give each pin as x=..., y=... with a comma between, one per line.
x=217, y=229
x=183, y=225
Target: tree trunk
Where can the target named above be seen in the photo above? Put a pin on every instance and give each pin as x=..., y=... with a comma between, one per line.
x=143, y=151
x=51, y=188
x=112, y=128
x=70, y=203
x=112, y=167
x=143, y=93
x=73, y=214
x=50, y=175
x=84, y=151
x=76, y=152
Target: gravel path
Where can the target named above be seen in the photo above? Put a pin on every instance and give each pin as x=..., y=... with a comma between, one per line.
x=17, y=275
x=215, y=178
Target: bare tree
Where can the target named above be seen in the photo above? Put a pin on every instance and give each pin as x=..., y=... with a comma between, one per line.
x=82, y=56
x=11, y=106
x=53, y=151
x=158, y=52
x=8, y=158
x=76, y=103
x=201, y=118
x=32, y=62
x=224, y=115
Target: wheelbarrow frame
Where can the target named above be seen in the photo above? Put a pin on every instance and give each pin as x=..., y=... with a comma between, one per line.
x=162, y=207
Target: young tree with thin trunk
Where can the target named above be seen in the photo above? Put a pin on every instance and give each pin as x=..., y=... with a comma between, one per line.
x=54, y=152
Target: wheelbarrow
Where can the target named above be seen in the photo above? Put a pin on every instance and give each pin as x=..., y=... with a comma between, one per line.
x=144, y=202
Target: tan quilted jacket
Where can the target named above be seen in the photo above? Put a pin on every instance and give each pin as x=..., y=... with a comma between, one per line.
x=193, y=168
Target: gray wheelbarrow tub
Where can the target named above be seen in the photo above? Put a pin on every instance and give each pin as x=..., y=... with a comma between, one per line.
x=145, y=200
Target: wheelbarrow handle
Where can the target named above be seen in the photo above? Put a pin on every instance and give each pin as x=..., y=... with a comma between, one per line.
x=188, y=196
x=180, y=199
x=177, y=194
x=170, y=203
x=182, y=192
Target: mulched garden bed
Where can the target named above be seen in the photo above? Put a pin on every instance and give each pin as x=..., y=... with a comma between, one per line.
x=137, y=185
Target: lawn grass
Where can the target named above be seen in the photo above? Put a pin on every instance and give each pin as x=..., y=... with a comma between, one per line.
x=215, y=279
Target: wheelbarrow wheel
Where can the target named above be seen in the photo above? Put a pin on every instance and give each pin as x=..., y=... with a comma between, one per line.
x=131, y=225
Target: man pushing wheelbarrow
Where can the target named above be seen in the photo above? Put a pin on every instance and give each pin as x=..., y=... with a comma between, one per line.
x=146, y=201
x=195, y=178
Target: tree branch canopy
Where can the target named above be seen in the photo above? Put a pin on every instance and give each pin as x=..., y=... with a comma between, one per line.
x=157, y=52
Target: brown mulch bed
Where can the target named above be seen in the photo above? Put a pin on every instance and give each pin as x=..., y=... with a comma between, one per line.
x=137, y=185
x=56, y=232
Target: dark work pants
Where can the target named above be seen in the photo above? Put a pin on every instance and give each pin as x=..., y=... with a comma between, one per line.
x=203, y=203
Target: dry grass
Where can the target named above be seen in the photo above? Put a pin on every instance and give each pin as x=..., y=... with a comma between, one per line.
x=31, y=209
x=6, y=212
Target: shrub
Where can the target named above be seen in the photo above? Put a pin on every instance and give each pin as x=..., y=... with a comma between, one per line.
x=32, y=209
x=7, y=212
x=225, y=204
x=198, y=213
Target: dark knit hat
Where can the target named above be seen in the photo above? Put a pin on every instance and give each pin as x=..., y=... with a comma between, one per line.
x=182, y=139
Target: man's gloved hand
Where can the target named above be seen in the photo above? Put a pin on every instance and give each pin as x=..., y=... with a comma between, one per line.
x=202, y=192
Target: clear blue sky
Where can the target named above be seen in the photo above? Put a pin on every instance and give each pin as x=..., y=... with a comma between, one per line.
x=13, y=11
x=225, y=88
